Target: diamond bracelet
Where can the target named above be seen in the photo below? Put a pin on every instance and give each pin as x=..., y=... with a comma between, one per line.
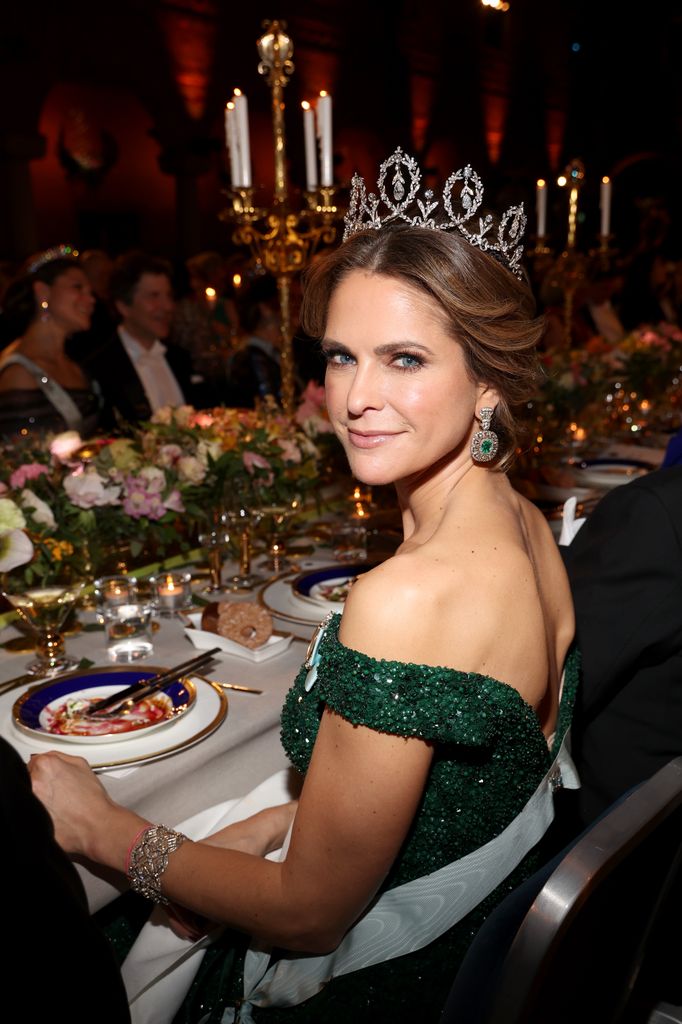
x=148, y=860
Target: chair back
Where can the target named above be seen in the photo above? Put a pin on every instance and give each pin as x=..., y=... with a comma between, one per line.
x=595, y=912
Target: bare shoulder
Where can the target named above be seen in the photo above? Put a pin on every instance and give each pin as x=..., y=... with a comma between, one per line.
x=15, y=376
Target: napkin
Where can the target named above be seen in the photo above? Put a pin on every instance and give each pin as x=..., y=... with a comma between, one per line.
x=570, y=525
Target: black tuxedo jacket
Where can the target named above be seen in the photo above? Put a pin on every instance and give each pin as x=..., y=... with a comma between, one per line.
x=122, y=390
x=54, y=956
x=625, y=569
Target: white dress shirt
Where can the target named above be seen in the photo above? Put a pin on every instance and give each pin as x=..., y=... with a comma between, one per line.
x=156, y=376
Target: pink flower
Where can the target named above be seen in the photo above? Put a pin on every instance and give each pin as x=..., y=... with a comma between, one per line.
x=169, y=454
x=139, y=503
x=64, y=445
x=290, y=450
x=253, y=461
x=203, y=420
x=29, y=471
x=173, y=501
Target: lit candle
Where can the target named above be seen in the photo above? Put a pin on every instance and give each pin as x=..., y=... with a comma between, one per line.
x=211, y=297
x=309, y=140
x=605, y=205
x=324, y=134
x=173, y=591
x=241, y=109
x=232, y=144
x=237, y=280
x=541, y=207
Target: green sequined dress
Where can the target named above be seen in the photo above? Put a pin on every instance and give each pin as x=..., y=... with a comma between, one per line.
x=490, y=756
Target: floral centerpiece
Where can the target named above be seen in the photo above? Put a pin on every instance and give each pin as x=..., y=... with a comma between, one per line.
x=66, y=504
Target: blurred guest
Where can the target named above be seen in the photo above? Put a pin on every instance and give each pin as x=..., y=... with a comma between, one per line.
x=650, y=291
x=206, y=322
x=41, y=387
x=97, y=265
x=138, y=369
x=255, y=369
x=57, y=956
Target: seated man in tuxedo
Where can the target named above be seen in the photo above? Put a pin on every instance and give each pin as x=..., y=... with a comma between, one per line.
x=625, y=570
x=138, y=370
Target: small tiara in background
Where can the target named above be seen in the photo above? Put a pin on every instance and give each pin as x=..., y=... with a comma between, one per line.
x=504, y=244
x=57, y=252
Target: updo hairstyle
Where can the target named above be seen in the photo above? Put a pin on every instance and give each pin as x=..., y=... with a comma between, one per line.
x=19, y=304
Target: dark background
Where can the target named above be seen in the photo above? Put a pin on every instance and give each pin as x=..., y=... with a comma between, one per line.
x=111, y=120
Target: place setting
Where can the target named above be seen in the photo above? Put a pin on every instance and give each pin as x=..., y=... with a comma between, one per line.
x=117, y=715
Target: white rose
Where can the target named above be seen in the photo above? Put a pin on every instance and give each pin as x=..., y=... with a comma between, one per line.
x=40, y=511
x=208, y=448
x=189, y=468
x=87, y=490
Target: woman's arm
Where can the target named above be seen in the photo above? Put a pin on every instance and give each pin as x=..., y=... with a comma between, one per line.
x=359, y=798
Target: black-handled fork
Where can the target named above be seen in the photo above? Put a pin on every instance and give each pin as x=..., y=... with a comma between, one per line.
x=138, y=691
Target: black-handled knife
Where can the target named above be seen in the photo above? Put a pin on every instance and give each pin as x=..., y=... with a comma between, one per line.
x=144, y=687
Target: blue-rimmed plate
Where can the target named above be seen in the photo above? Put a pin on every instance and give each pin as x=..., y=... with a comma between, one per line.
x=53, y=710
x=328, y=588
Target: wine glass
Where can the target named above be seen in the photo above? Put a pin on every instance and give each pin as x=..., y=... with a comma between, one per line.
x=214, y=537
x=277, y=510
x=242, y=517
x=43, y=609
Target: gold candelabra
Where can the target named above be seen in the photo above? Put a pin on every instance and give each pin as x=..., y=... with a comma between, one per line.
x=570, y=268
x=281, y=239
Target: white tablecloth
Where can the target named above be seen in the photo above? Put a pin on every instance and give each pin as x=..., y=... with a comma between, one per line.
x=240, y=754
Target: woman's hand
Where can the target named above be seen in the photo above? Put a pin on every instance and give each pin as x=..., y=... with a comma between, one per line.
x=78, y=804
x=259, y=834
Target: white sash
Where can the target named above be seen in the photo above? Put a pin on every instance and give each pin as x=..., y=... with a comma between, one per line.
x=412, y=915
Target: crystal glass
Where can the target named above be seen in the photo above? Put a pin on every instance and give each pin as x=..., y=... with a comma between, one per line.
x=277, y=511
x=243, y=517
x=214, y=537
x=43, y=609
x=128, y=631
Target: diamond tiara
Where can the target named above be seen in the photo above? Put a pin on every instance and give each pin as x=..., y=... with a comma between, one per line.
x=504, y=244
x=57, y=252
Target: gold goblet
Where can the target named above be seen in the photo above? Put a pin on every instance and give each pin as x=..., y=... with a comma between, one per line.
x=43, y=609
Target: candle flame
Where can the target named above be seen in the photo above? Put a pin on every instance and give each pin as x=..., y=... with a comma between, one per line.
x=561, y=181
x=323, y=92
x=210, y=293
x=541, y=183
x=237, y=92
x=229, y=105
x=605, y=180
x=305, y=105
x=236, y=280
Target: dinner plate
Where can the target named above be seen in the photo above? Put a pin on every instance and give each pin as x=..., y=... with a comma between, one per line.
x=204, y=639
x=47, y=709
x=210, y=710
x=279, y=599
x=327, y=588
x=608, y=473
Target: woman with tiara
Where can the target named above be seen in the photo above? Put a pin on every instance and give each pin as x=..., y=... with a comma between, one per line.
x=41, y=389
x=429, y=721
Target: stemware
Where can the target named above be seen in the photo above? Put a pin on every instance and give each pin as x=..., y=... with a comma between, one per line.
x=277, y=510
x=43, y=609
x=243, y=516
x=214, y=538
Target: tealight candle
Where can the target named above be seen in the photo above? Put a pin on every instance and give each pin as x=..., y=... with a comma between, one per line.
x=114, y=590
x=173, y=591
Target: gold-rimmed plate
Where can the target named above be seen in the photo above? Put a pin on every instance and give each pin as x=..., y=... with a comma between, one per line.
x=209, y=711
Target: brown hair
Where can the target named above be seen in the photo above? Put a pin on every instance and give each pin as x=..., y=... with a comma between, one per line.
x=486, y=308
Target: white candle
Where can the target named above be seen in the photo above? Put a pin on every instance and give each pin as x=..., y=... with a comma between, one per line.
x=541, y=207
x=232, y=144
x=241, y=108
x=310, y=150
x=324, y=134
x=605, y=205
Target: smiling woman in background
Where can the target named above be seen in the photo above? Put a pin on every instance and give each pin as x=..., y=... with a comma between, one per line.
x=41, y=388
